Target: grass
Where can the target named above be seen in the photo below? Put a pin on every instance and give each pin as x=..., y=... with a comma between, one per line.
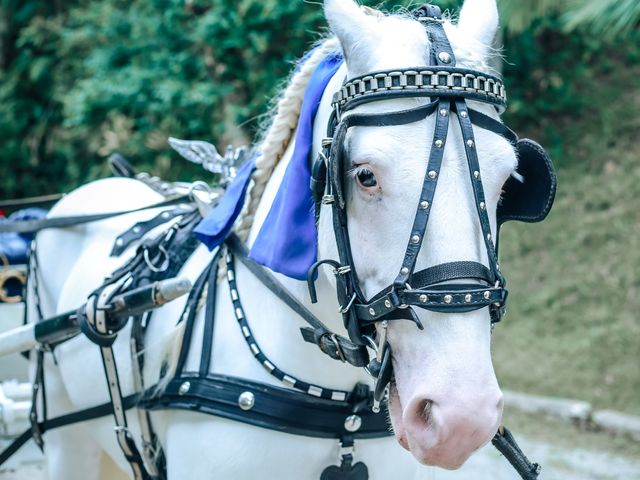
x=573, y=322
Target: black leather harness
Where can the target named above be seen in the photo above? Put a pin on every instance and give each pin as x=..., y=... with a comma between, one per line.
x=304, y=408
x=436, y=288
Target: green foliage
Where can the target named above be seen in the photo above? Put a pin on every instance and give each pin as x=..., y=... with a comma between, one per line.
x=79, y=80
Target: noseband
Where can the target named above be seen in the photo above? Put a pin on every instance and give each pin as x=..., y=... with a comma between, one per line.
x=454, y=287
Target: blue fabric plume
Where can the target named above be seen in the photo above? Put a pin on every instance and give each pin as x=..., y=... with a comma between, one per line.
x=287, y=241
x=216, y=226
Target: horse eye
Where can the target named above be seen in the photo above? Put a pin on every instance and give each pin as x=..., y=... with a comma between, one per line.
x=366, y=178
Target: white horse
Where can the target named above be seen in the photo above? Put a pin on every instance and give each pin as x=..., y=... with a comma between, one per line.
x=446, y=366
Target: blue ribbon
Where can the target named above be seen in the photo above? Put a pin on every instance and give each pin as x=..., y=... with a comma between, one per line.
x=287, y=241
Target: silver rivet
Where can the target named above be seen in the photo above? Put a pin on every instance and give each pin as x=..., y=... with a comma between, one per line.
x=487, y=295
x=137, y=229
x=448, y=299
x=433, y=174
x=444, y=57
x=166, y=215
x=470, y=143
x=372, y=311
x=464, y=114
x=438, y=143
x=476, y=174
x=404, y=270
x=415, y=239
x=424, y=298
x=246, y=400
x=184, y=388
x=119, y=242
x=387, y=303
x=352, y=423
x=482, y=205
x=467, y=298
x=424, y=204
x=444, y=112
x=489, y=236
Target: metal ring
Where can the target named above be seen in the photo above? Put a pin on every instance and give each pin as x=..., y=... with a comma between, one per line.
x=372, y=343
x=165, y=264
x=339, y=351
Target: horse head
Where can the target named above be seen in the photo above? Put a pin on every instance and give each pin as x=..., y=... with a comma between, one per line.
x=445, y=402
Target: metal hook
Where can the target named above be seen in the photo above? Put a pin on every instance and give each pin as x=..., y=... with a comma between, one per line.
x=349, y=305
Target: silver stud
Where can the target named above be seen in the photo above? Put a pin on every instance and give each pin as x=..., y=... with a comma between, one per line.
x=433, y=174
x=119, y=242
x=482, y=206
x=137, y=229
x=448, y=299
x=352, y=423
x=415, y=239
x=470, y=143
x=438, y=143
x=487, y=295
x=489, y=236
x=387, y=303
x=246, y=400
x=184, y=388
x=424, y=204
x=464, y=114
x=467, y=298
x=166, y=215
x=424, y=298
x=443, y=112
x=372, y=311
x=476, y=174
x=444, y=57
x=404, y=270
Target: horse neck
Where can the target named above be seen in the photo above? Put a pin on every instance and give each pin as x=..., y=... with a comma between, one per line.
x=285, y=336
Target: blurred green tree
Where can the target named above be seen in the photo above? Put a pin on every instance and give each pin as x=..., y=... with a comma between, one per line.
x=82, y=78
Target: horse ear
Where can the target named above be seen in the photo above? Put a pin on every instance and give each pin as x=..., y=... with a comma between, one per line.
x=348, y=20
x=479, y=22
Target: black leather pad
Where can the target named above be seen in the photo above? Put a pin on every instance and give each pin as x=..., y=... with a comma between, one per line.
x=529, y=201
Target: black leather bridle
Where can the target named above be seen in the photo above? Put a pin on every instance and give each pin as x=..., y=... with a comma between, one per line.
x=454, y=287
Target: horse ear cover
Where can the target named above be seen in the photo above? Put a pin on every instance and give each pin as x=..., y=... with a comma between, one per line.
x=530, y=200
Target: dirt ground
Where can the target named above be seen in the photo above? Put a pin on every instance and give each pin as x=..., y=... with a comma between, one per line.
x=559, y=463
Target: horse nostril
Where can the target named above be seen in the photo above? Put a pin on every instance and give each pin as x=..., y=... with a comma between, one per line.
x=423, y=412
